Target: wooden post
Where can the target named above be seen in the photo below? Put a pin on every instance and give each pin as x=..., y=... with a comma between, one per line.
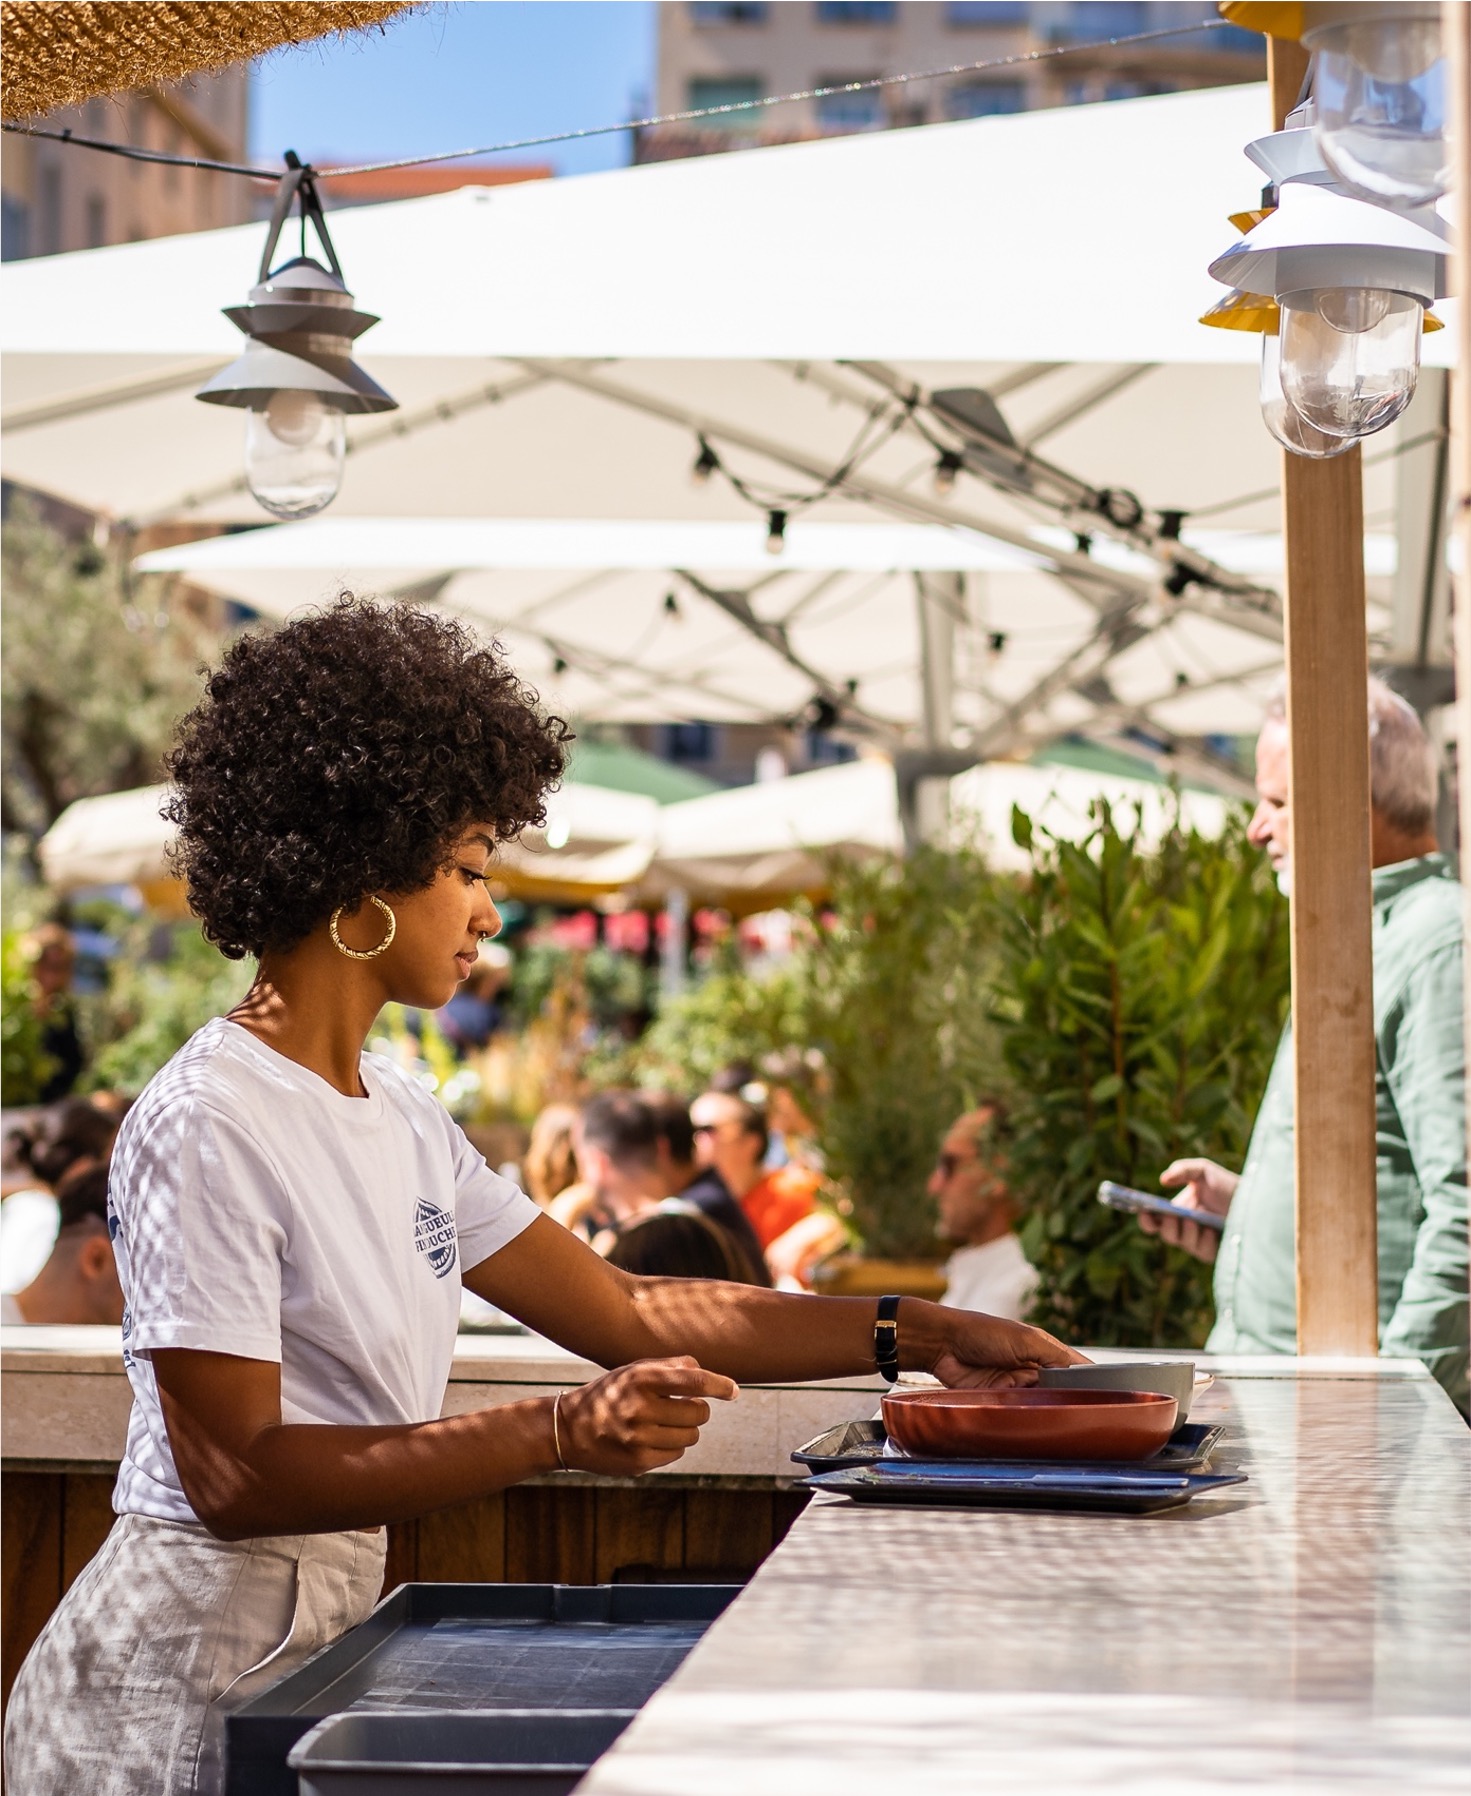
x=1456, y=27
x=1332, y=963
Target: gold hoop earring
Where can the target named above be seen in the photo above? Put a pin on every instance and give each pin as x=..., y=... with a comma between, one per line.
x=364, y=953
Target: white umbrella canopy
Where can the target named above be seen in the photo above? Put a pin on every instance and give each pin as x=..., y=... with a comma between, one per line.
x=558, y=348
x=746, y=846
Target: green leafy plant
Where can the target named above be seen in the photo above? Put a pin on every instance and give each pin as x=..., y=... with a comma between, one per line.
x=25, y=1066
x=167, y=981
x=730, y=1015
x=894, y=991
x=1141, y=995
x=97, y=669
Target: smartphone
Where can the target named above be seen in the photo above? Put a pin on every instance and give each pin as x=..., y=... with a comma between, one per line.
x=1125, y=1197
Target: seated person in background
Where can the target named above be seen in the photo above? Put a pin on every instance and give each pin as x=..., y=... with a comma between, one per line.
x=677, y=1241
x=692, y=1178
x=79, y=1283
x=988, y=1271
x=615, y=1142
x=780, y=1205
x=51, y=1143
x=549, y=1165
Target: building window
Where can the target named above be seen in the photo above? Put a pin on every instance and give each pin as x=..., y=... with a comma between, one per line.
x=862, y=111
x=727, y=90
x=984, y=99
x=686, y=742
x=96, y=221
x=1107, y=18
x=15, y=228
x=856, y=12
x=728, y=12
x=986, y=12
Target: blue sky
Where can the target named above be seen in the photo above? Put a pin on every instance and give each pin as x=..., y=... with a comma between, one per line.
x=461, y=73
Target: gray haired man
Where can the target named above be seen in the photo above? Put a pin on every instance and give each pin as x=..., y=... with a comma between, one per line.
x=1420, y=1104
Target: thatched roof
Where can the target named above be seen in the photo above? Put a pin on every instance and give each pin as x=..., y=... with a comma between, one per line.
x=62, y=52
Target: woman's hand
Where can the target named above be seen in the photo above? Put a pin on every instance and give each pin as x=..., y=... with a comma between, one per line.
x=641, y=1416
x=984, y=1350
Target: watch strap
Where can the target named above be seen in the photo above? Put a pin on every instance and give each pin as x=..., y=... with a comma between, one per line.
x=886, y=1338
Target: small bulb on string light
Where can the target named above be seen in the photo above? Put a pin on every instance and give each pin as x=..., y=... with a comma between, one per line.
x=706, y=463
x=776, y=532
x=946, y=469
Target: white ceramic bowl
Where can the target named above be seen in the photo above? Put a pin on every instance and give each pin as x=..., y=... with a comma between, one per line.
x=1175, y=1378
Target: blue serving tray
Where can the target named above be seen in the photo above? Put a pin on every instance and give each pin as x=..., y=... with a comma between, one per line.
x=1132, y=1490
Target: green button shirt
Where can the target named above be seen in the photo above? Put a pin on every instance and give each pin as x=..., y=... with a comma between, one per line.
x=1421, y=1154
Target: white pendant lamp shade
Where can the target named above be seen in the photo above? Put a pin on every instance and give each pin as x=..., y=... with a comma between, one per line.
x=296, y=379
x=1318, y=238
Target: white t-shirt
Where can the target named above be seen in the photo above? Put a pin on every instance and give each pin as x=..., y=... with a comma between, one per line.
x=996, y=1278
x=256, y=1210
x=29, y=1221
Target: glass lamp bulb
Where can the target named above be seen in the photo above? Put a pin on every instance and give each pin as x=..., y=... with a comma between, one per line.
x=294, y=452
x=1350, y=356
x=1289, y=427
x=1380, y=89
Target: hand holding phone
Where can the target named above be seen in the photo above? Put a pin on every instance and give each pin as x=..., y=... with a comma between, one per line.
x=1125, y=1197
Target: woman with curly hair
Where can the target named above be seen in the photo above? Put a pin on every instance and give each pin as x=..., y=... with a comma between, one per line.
x=292, y=1218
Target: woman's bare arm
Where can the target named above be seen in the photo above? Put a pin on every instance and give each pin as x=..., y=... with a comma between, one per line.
x=558, y=1286
x=247, y=1473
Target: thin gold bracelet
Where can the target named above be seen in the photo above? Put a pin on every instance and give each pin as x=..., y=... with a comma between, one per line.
x=557, y=1432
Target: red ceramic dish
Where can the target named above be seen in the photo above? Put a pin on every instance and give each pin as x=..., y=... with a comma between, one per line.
x=1030, y=1424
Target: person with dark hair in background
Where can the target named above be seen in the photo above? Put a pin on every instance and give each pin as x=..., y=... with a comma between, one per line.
x=39, y=1153
x=294, y=1217
x=694, y=1181
x=79, y=1282
x=677, y=1241
x=780, y=1205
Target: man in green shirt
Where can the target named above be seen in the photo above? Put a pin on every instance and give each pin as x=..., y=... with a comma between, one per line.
x=1420, y=1054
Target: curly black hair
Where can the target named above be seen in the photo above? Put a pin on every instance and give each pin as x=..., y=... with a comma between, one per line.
x=341, y=755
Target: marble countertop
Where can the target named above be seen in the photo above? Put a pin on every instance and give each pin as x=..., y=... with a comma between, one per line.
x=1307, y=1632
x=65, y=1398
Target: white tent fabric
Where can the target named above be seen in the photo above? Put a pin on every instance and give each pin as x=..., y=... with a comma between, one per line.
x=748, y=844
x=1008, y=235
x=559, y=347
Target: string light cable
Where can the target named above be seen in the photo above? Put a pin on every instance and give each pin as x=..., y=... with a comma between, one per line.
x=691, y=115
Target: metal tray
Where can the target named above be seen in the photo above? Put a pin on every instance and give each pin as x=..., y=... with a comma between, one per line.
x=862, y=1443
x=466, y=1647
x=1130, y=1491
x=507, y=1752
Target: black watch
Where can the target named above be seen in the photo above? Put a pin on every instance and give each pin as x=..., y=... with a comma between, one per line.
x=886, y=1338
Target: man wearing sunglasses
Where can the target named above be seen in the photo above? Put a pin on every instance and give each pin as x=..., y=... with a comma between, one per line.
x=988, y=1270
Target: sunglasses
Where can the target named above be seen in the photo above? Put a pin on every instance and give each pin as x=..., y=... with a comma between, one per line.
x=949, y=1164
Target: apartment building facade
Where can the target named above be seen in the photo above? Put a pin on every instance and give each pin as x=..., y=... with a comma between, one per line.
x=733, y=52
x=57, y=197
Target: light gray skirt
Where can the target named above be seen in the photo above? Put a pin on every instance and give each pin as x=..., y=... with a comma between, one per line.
x=126, y=1690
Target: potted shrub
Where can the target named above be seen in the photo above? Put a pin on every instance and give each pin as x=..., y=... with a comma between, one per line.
x=1141, y=994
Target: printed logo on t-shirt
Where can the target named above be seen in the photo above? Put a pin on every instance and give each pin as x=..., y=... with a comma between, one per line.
x=434, y=1236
